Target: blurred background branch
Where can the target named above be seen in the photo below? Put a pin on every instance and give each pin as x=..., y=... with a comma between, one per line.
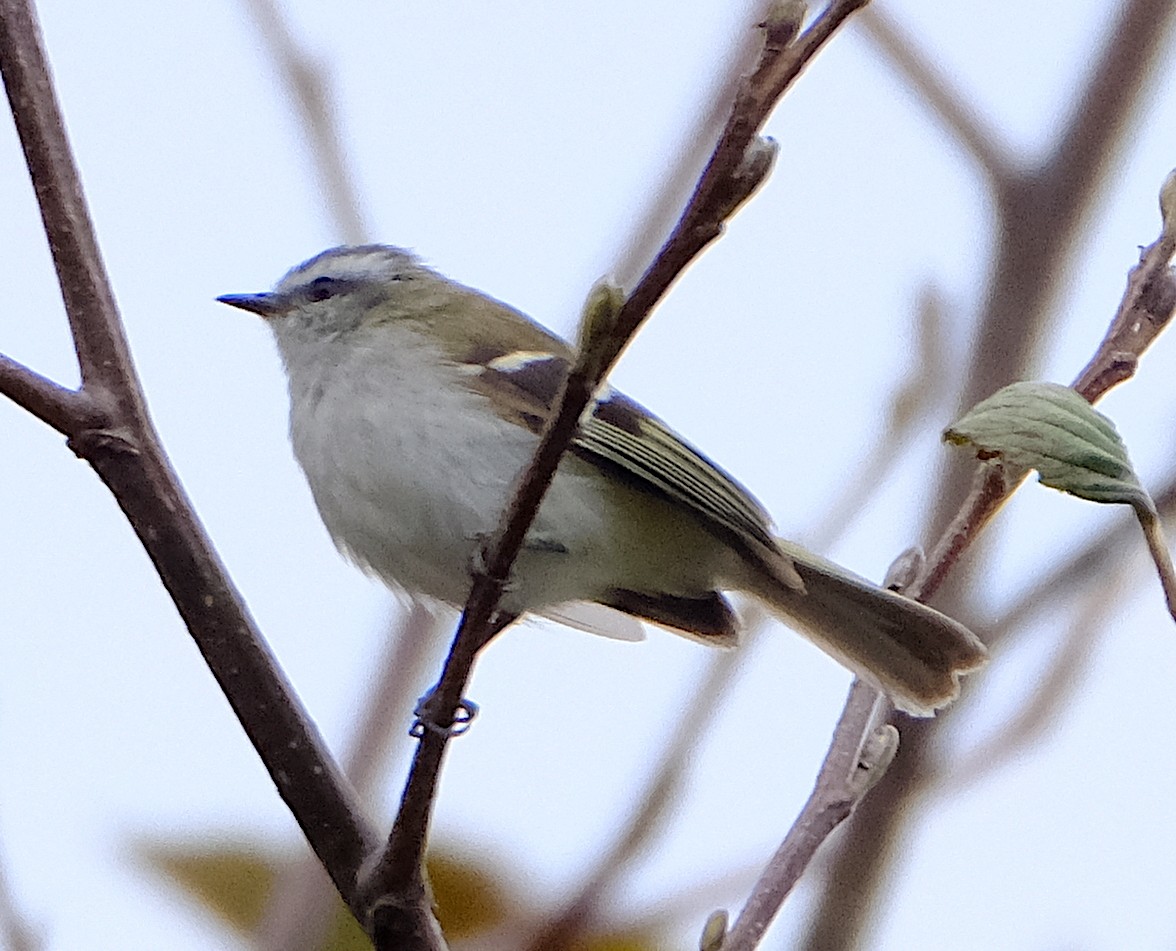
x=1043, y=211
x=1039, y=213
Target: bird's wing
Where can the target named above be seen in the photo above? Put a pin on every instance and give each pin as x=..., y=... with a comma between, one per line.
x=623, y=437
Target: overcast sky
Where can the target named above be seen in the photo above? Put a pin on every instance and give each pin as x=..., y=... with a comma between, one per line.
x=514, y=146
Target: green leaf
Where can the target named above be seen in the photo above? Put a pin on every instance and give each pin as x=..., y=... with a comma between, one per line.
x=1050, y=428
x=1073, y=447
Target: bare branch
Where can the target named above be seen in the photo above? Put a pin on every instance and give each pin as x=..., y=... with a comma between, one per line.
x=105, y=362
x=690, y=157
x=125, y=452
x=1144, y=312
x=663, y=784
x=737, y=167
x=991, y=487
x=311, y=93
x=302, y=904
x=949, y=105
x=660, y=793
x=64, y=409
x=850, y=769
x=1052, y=692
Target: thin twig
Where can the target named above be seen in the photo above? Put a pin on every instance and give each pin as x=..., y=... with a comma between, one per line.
x=850, y=768
x=122, y=446
x=657, y=220
x=948, y=104
x=103, y=356
x=694, y=149
x=563, y=929
x=1144, y=312
x=311, y=93
x=1052, y=692
x=922, y=387
x=58, y=406
x=906, y=406
x=1040, y=212
x=737, y=167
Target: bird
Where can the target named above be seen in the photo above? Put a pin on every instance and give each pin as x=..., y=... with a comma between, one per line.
x=415, y=403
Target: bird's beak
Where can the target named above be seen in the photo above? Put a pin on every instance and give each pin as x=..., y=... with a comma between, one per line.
x=264, y=305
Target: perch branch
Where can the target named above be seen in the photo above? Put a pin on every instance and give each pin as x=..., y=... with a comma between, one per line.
x=738, y=165
x=113, y=432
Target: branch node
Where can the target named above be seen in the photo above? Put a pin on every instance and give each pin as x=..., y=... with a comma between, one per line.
x=104, y=440
x=905, y=569
x=1168, y=203
x=1157, y=298
x=782, y=24
x=714, y=932
x=751, y=172
x=877, y=754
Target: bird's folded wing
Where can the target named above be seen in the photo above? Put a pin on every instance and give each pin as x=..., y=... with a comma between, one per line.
x=622, y=436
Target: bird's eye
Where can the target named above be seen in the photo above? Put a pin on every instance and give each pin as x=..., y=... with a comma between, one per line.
x=321, y=288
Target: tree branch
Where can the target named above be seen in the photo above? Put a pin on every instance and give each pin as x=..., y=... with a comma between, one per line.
x=1038, y=225
x=738, y=165
x=105, y=362
x=562, y=931
x=123, y=448
x=857, y=758
x=1144, y=312
x=949, y=105
x=690, y=156
x=311, y=94
x=64, y=409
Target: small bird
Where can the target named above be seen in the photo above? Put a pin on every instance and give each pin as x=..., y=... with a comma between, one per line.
x=415, y=402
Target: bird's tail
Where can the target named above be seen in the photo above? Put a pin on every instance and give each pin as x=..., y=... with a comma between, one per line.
x=910, y=651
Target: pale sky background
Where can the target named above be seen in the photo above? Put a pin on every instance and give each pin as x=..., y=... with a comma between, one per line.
x=513, y=145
